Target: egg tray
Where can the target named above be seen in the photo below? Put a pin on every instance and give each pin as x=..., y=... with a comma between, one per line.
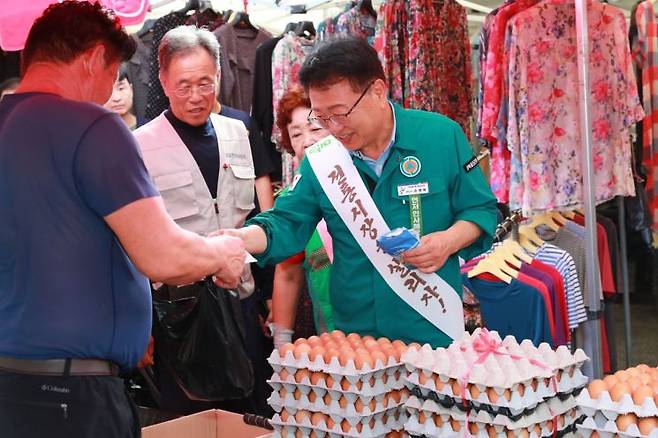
x=370, y=405
x=333, y=367
x=430, y=429
x=516, y=405
x=431, y=363
x=544, y=412
x=514, y=414
x=608, y=429
x=347, y=384
x=384, y=422
x=612, y=409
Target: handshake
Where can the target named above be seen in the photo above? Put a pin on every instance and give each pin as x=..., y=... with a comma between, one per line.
x=230, y=250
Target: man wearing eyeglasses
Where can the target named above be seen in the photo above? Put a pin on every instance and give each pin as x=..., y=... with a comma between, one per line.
x=415, y=167
x=201, y=162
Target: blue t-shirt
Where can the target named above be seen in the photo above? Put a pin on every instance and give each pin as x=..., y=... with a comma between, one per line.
x=67, y=288
x=515, y=309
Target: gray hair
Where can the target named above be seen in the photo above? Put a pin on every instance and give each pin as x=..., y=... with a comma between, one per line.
x=183, y=39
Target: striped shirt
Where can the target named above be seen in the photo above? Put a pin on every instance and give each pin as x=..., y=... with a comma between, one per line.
x=564, y=263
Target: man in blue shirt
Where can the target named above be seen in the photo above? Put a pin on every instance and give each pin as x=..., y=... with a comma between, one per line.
x=81, y=226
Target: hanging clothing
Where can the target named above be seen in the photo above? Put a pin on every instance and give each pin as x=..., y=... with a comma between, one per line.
x=357, y=23
x=644, y=46
x=390, y=43
x=542, y=133
x=238, y=49
x=426, y=55
x=138, y=74
x=261, y=101
x=287, y=59
x=156, y=101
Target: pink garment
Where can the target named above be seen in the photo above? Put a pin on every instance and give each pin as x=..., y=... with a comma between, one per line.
x=327, y=242
x=17, y=17
x=543, y=133
x=130, y=12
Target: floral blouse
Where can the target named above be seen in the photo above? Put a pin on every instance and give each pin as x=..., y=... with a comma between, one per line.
x=543, y=132
x=287, y=60
x=426, y=53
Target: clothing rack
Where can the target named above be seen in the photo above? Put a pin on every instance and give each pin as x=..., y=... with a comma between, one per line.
x=507, y=226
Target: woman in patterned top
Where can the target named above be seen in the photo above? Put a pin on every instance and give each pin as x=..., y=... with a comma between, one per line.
x=308, y=273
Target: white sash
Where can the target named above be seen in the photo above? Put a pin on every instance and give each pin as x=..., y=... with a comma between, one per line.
x=428, y=294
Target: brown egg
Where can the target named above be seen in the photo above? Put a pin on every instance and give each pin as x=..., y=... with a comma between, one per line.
x=491, y=432
x=283, y=374
x=421, y=417
x=610, y=381
x=621, y=375
x=372, y=405
x=645, y=379
x=312, y=397
x=647, y=425
x=456, y=425
x=326, y=399
x=330, y=423
x=317, y=351
x=372, y=382
x=317, y=378
x=619, y=390
x=282, y=392
x=394, y=434
x=390, y=351
x=354, y=337
x=363, y=358
x=359, y=427
x=493, y=395
x=345, y=384
x=438, y=382
x=534, y=383
x=634, y=383
x=297, y=394
x=284, y=416
x=644, y=368
x=384, y=378
x=358, y=405
x=342, y=402
x=507, y=395
x=286, y=348
x=457, y=388
x=473, y=428
x=641, y=393
x=414, y=345
x=325, y=338
x=596, y=388
x=422, y=378
x=301, y=415
x=299, y=433
x=474, y=391
x=345, y=356
x=438, y=421
x=317, y=418
x=595, y=434
x=337, y=335
x=523, y=433
x=299, y=341
x=314, y=341
x=624, y=421
x=329, y=381
x=383, y=341
x=359, y=384
x=371, y=345
x=633, y=372
x=345, y=425
x=395, y=396
x=330, y=345
x=330, y=353
x=301, y=349
x=301, y=374
x=379, y=356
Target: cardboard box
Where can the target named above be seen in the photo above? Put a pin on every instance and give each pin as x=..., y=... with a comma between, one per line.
x=206, y=424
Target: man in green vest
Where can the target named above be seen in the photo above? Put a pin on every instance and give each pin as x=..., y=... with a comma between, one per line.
x=418, y=168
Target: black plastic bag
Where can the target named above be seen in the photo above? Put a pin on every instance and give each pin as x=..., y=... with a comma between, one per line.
x=638, y=214
x=202, y=338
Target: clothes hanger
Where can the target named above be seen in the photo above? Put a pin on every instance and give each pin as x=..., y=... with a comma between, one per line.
x=558, y=218
x=568, y=214
x=529, y=239
x=517, y=250
x=543, y=219
x=485, y=265
x=502, y=256
x=241, y=21
x=305, y=29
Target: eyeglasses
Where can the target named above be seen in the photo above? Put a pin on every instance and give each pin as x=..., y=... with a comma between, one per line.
x=335, y=119
x=204, y=90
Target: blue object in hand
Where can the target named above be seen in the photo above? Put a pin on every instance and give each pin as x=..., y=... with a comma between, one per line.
x=397, y=241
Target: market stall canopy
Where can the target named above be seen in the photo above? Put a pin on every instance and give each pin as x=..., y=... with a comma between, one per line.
x=16, y=17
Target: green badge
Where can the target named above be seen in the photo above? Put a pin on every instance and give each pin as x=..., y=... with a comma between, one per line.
x=410, y=166
x=416, y=214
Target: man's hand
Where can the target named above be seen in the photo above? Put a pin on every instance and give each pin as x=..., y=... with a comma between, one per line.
x=432, y=253
x=230, y=251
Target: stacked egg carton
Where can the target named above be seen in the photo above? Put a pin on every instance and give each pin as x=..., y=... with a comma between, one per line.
x=521, y=390
x=336, y=385
x=624, y=404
